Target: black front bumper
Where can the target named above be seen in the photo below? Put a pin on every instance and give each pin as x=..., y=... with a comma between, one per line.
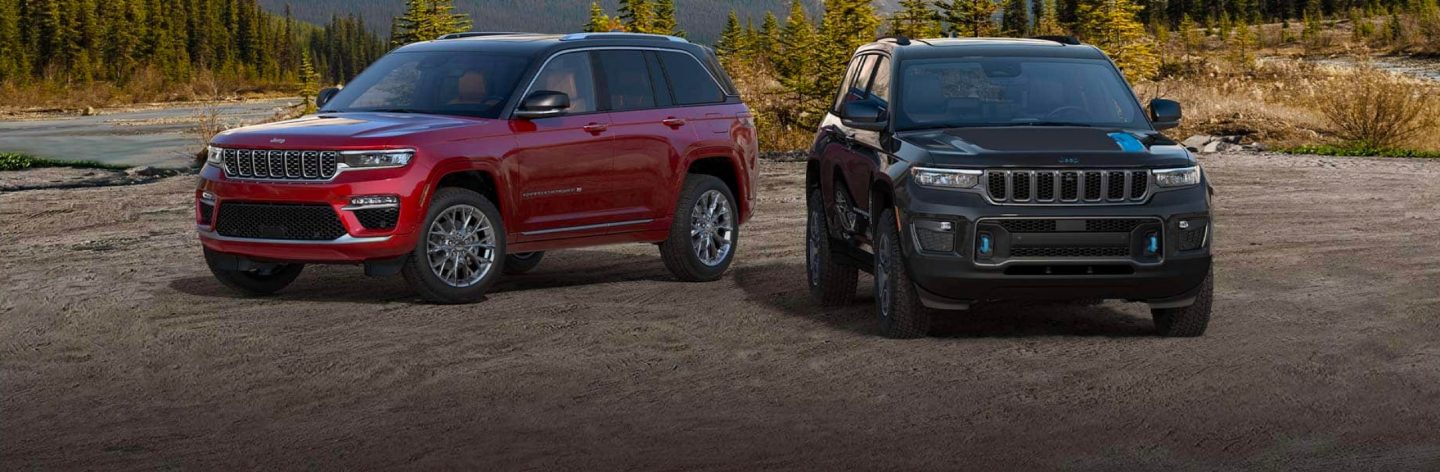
x=953, y=279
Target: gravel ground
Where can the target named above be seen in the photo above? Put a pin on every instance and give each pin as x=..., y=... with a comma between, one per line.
x=119, y=352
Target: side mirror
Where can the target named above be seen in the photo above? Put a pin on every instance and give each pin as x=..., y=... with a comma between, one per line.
x=543, y=103
x=863, y=114
x=1164, y=114
x=325, y=95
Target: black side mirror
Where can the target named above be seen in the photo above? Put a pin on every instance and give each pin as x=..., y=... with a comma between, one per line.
x=325, y=95
x=863, y=114
x=1164, y=114
x=543, y=103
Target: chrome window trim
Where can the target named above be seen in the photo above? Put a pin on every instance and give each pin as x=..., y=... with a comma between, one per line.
x=530, y=87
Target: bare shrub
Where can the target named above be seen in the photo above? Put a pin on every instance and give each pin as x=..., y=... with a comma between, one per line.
x=1377, y=109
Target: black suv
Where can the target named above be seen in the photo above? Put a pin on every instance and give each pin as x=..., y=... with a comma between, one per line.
x=960, y=171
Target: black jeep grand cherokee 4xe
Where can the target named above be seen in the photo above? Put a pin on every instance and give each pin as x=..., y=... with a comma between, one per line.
x=960, y=171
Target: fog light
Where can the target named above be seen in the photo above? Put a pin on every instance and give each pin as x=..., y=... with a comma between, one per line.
x=1184, y=224
x=986, y=245
x=207, y=196
x=1152, y=244
x=374, y=200
x=935, y=236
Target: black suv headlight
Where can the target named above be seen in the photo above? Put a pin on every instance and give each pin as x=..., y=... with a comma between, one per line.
x=1182, y=177
x=945, y=178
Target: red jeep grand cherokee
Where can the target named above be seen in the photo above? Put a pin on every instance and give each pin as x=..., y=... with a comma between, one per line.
x=453, y=161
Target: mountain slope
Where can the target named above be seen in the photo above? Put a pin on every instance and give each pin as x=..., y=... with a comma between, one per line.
x=700, y=19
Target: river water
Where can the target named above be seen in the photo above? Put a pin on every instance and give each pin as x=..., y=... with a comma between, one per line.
x=161, y=137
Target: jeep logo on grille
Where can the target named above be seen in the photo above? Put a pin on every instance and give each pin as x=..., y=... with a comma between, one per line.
x=277, y=141
x=1069, y=160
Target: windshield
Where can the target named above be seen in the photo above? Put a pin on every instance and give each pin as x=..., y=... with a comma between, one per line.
x=982, y=91
x=442, y=83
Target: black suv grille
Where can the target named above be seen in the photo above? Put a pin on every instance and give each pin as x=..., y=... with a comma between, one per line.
x=1067, y=187
x=279, y=221
x=1099, y=225
x=281, y=165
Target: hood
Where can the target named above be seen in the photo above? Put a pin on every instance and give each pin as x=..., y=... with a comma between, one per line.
x=341, y=130
x=1041, y=147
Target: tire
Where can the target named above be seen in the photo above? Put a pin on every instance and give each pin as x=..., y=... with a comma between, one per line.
x=516, y=264
x=681, y=252
x=897, y=303
x=1190, y=321
x=469, y=252
x=831, y=284
x=255, y=282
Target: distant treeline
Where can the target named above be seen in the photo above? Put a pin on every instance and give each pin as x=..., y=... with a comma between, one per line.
x=115, y=40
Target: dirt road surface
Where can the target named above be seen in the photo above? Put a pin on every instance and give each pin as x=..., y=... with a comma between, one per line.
x=118, y=351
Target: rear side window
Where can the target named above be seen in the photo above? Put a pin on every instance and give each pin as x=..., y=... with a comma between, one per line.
x=627, y=80
x=690, y=83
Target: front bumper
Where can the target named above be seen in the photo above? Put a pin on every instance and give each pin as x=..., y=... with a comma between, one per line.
x=1170, y=276
x=356, y=243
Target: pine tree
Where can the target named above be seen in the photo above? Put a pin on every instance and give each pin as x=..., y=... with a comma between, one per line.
x=768, y=38
x=973, y=18
x=638, y=15
x=665, y=19
x=915, y=19
x=1048, y=20
x=1113, y=26
x=12, y=47
x=1016, y=19
x=732, y=37
x=309, y=82
x=845, y=26
x=599, y=22
x=798, y=67
x=425, y=20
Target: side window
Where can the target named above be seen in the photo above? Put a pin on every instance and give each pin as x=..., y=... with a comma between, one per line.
x=854, y=87
x=573, y=75
x=690, y=83
x=880, y=86
x=626, y=80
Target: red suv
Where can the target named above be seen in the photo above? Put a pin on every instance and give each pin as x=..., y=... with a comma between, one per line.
x=456, y=160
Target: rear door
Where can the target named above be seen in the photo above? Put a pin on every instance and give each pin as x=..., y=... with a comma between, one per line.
x=557, y=169
x=648, y=134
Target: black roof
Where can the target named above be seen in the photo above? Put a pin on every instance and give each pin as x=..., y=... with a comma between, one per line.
x=957, y=47
x=536, y=43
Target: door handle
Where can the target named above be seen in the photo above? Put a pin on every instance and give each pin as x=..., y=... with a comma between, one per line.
x=596, y=128
x=673, y=122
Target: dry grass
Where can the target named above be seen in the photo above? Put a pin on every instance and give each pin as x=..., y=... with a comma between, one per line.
x=147, y=86
x=1288, y=103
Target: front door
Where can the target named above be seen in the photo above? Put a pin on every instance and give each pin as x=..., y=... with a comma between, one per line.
x=558, y=167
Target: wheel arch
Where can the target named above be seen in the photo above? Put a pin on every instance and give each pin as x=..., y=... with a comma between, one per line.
x=728, y=171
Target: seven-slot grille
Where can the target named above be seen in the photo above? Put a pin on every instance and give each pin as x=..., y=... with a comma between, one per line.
x=1067, y=187
x=281, y=165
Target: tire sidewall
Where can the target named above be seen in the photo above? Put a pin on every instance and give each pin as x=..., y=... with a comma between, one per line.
x=682, y=228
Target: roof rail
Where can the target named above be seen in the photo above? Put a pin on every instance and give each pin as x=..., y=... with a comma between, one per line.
x=473, y=34
x=899, y=39
x=1071, y=40
x=642, y=36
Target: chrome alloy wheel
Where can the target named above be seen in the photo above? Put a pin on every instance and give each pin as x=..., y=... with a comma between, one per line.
x=461, y=246
x=712, y=228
